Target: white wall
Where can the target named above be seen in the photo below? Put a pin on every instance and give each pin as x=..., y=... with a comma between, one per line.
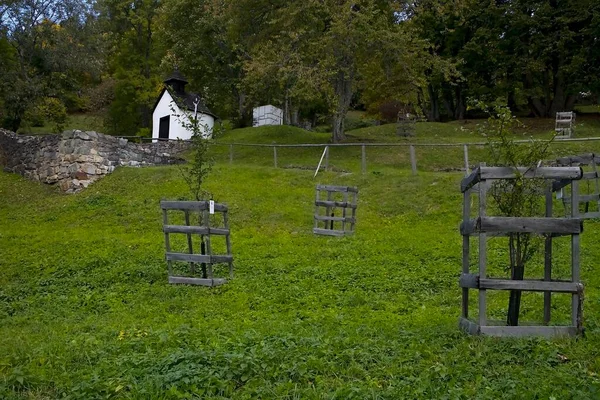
x=267, y=115
x=176, y=130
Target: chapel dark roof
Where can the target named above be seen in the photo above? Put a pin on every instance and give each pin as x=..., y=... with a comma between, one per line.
x=188, y=100
x=176, y=76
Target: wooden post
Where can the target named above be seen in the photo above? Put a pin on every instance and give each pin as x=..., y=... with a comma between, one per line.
x=575, y=299
x=189, y=241
x=167, y=242
x=413, y=160
x=364, y=159
x=548, y=258
x=466, y=249
x=326, y=158
x=209, y=270
x=275, y=156
x=228, y=242
x=466, y=153
x=230, y=154
x=482, y=253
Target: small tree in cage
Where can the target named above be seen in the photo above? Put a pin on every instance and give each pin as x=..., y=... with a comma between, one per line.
x=517, y=197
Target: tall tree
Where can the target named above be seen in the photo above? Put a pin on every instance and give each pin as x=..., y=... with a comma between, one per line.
x=43, y=42
x=134, y=61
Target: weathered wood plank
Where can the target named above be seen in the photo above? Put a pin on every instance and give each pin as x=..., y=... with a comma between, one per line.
x=196, y=281
x=584, y=198
x=470, y=281
x=325, y=203
x=525, y=331
x=199, y=258
x=483, y=173
x=530, y=285
x=331, y=188
x=200, y=230
x=468, y=326
x=337, y=219
x=190, y=205
x=329, y=232
x=563, y=226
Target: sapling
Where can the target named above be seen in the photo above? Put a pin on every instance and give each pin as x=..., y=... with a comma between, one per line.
x=519, y=197
x=196, y=171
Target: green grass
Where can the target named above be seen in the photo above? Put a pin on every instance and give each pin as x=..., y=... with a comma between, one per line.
x=86, y=311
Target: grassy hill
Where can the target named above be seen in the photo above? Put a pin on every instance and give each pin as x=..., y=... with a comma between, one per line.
x=86, y=311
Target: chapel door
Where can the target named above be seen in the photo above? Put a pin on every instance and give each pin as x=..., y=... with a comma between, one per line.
x=163, y=128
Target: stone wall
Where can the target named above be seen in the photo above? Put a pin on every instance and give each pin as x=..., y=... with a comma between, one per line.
x=75, y=159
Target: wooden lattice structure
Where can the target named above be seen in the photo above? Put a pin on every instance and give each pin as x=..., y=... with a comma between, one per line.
x=197, y=223
x=565, y=124
x=483, y=226
x=589, y=187
x=335, y=210
x=406, y=124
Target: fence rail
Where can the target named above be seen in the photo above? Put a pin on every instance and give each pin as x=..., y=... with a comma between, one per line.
x=412, y=147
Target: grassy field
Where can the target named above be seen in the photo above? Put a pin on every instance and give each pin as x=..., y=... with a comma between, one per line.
x=86, y=311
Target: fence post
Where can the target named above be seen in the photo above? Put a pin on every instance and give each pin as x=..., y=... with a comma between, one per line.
x=275, y=156
x=466, y=151
x=230, y=154
x=326, y=158
x=413, y=160
x=364, y=159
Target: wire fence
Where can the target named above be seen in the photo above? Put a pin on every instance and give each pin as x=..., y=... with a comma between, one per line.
x=371, y=157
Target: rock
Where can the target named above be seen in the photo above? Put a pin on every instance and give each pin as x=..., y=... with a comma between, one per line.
x=85, y=184
x=80, y=175
x=89, y=169
x=122, y=142
x=81, y=135
x=75, y=182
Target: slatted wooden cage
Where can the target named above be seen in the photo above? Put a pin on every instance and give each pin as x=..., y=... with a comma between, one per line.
x=483, y=227
x=335, y=210
x=200, y=221
x=565, y=124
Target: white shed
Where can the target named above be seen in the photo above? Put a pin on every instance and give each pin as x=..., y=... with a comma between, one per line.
x=267, y=115
x=169, y=121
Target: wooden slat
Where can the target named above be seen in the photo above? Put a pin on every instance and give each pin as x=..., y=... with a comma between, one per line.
x=525, y=331
x=468, y=326
x=190, y=205
x=530, y=285
x=523, y=225
x=324, y=203
x=199, y=258
x=329, y=232
x=337, y=219
x=331, y=188
x=541, y=172
x=196, y=281
x=590, y=175
x=584, y=198
x=201, y=230
x=483, y=173
x=469, y=281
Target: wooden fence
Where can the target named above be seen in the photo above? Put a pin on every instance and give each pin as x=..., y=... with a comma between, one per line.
x=412, y=149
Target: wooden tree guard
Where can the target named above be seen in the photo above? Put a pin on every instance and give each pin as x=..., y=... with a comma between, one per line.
x=327, y=207
x=589, y=194
x=406, y=124
x=205, y=258
x=478, y=183
x=565, y=124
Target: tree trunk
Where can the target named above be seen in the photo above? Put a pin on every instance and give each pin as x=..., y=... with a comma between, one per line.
x=434, y=106
x=514, y=303
x=343, y=91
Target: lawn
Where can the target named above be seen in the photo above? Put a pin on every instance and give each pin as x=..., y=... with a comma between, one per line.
x=86, y=311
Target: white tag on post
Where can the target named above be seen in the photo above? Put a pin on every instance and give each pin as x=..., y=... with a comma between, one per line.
x=211, y=206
